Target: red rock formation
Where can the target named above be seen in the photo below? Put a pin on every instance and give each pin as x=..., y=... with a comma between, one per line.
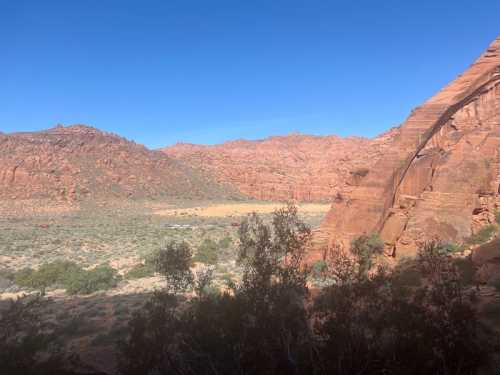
x=440, y=175
x=80, y=162
x=293, y=167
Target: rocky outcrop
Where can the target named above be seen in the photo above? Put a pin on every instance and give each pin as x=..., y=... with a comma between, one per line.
x=440, y=176
x=294, y=167
x=79, y=162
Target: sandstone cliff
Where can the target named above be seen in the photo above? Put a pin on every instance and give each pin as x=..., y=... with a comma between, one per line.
x=294, y=167
x=440, y=177
x=79, y=162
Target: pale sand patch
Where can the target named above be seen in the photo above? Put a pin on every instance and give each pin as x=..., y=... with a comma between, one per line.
x=124, y=264
x=240, y=209
x=138, y=286
x=12, y=296
x=14, y=262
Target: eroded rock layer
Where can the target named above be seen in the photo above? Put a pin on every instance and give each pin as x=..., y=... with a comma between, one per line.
x=78, y=162
x=440, y=177
x=294, y=167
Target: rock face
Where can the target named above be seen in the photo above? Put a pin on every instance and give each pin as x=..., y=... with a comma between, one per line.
x=440, y=175
x=79, y=162
x=294, y=167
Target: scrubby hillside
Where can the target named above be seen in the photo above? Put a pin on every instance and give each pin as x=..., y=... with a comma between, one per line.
x=79, y=162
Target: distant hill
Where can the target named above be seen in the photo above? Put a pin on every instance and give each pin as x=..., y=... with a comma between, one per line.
x=79, y=162
x=296, y=166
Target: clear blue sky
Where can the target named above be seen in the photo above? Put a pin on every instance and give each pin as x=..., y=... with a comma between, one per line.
x=207, y=71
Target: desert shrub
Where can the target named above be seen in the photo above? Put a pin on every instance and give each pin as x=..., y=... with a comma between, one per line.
x=24, y=277
x=88, y=281
x=56, y=273
x=268, y=324
x=451, y=248
x=203, y=283
x=227, y=280
x=257, y=329
x=69, y=276
x=466, y=270
x=207, y=252
x=49, y=274
x=26, y=345
x=482, y=236
x=150, y=336
x=225, y=242
x=365, y=248
x=318, y=269
x=174, y=263
x=140, y=271
x=378, y=324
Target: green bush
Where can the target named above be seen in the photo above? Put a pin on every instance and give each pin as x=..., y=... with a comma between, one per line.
x=269, y=324
x=140, y=271
x=28, y=345
x=318, y=269
x=365, y=248
x=227, y=280
x=24, y=277
x=174, y=263
x=451, y=248
x=225, y=242
x=207, y=252
x=69, y=276
x=86, y=282
x=482, y=236
x=49, y=274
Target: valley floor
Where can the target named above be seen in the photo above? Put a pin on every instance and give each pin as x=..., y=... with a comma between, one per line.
x=121, y=236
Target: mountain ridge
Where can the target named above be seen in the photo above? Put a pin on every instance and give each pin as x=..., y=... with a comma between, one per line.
x=79, y=162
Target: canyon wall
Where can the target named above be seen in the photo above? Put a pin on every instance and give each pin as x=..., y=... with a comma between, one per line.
x=294, y=167
x=439, y=177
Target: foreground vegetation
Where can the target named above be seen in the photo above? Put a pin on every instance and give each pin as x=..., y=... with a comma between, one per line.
x=417, y=318
x=124, y=238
